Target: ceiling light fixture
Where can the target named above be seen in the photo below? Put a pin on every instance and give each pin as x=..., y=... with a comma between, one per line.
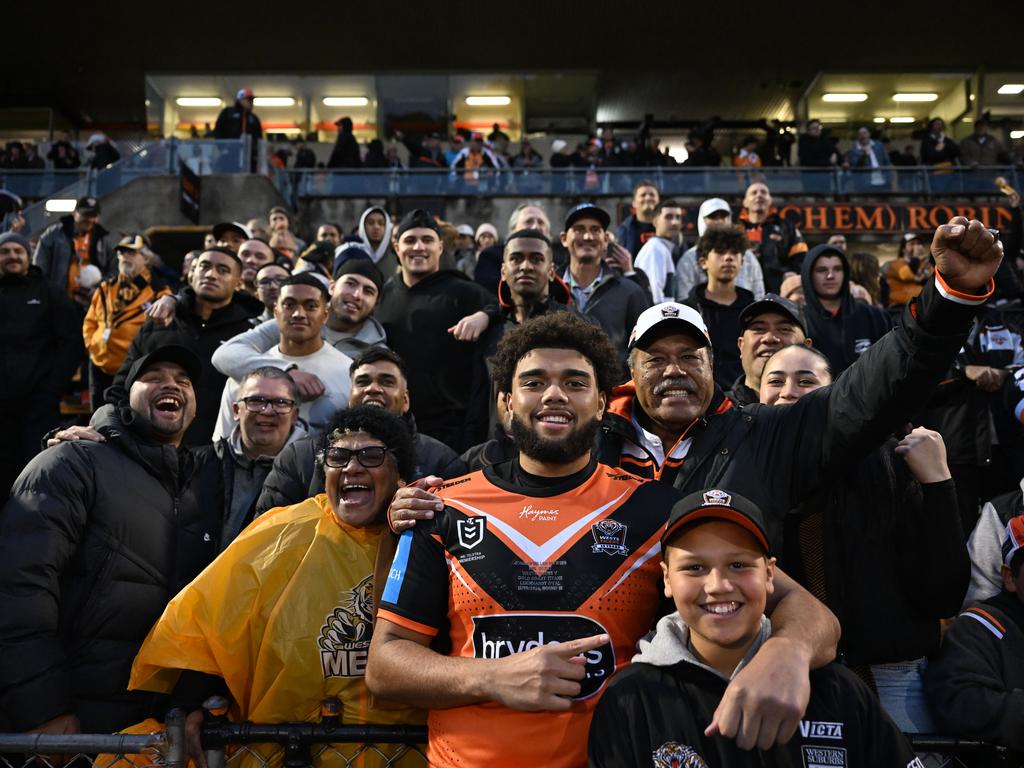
x=1010, y=89
x=488, y=101
x=273, y=101
x=346, y=101
x=902, y=119
x=915, y=96
x=844, y=97
x=198, y=101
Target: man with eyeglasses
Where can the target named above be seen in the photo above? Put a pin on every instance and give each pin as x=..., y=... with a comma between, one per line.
x=301, y=312
x=268, y=286
x=283, y=618
x=266, y=417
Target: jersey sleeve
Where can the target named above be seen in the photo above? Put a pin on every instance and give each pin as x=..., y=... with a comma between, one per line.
x=416, y=591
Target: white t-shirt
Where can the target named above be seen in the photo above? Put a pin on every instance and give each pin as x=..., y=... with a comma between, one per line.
x=655, y=259
x=327, y=363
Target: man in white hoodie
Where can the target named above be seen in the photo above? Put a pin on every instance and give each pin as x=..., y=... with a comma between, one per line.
x=375, y=232
x=688, y=271
x=656, y=256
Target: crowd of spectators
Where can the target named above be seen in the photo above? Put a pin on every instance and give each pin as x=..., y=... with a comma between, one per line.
x=444, y=474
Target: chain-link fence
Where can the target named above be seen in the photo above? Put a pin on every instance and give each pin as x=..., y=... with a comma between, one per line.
x=328, y=745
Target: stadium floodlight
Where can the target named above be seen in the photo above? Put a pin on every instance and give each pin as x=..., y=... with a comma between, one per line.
x=1017, y=134
x=198, y=101
x=488, y=101
x=60, y=204
x=878, y=120
x=1010, y=89
x=345, y=101
x=273, y=101
x=915, y=96
x=902, y=119
x=844, y=97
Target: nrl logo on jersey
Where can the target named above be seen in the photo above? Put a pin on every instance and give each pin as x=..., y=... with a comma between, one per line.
x=672, y=754
x=609, y=538
x=470, y=531
x=345, y=636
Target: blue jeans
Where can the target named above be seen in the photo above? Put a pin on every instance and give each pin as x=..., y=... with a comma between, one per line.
x=901, y=691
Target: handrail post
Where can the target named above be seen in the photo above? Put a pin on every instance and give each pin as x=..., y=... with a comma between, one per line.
x=175, y=727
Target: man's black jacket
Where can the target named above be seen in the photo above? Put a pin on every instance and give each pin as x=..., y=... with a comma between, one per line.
x=777, y=456
x=95, y=539
x=416, y=320
x=297, y=475
x=203, y=337
x=40, y=337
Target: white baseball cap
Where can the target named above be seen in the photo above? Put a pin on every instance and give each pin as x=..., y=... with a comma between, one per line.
x=687, y=318
x=708, y=207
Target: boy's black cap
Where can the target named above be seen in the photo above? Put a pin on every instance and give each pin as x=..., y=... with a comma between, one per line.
x=587, y=211
x=772, y=302
x=716, y=504
x=172, y=353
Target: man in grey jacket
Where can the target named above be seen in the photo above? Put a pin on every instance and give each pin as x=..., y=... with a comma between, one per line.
x=73, y=242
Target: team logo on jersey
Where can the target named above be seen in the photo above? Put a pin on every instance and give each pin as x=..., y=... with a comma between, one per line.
x=609, y=538
x=814, y=729
x=717, y=498
x=672, y=754
x=470, y=531
x=345, y=636
x=823, y=757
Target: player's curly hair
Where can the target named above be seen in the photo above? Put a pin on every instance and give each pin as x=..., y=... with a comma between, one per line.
x=558, y=330
x=386, y=427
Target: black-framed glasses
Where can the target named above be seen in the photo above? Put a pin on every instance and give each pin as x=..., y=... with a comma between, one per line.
x=257, y=404
x=371, y=456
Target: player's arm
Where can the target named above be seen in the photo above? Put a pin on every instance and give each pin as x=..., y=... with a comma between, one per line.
x=402, y=667
x=764, y=702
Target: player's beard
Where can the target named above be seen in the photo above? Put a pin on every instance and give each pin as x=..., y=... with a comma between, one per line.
x=562, y=451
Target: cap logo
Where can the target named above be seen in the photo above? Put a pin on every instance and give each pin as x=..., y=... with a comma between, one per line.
x=715, y=497
x=670, y=311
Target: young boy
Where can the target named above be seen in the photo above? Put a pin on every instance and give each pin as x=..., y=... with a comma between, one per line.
x=976, y=682
x=720, y=301
x=657, y=257
x=718, y=571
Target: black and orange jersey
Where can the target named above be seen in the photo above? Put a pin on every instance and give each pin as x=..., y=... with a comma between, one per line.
x=505, y=568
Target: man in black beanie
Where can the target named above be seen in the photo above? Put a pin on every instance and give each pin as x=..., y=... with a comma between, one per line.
x=420, y=309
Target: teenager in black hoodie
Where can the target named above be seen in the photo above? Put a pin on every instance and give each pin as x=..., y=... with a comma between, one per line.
x=841, y=327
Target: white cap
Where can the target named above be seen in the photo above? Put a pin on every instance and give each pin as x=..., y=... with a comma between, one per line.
x=465, y=229
x=708, y=207
x=558, y=145
x=687, y=318
x=96, y=138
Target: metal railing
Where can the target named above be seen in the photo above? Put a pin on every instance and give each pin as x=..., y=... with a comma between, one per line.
x=302, y=745
x=920, y=182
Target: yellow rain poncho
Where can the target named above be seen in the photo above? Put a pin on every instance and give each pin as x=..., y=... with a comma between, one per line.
x=284, y=615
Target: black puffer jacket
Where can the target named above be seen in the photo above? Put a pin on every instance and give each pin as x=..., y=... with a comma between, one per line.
x=40, y=337
x=95, y=540
x=845, y=336
x=203, y=337
x=297, y=475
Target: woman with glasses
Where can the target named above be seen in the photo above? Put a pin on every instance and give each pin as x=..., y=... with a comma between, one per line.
x=283, y=618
